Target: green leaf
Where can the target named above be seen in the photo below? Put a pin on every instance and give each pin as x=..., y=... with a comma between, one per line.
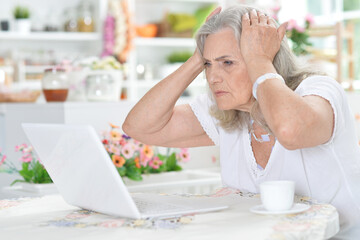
x=122, y=171
x=25, y=165
x=134, y=173
x=162, y=157
x=16, y=181
x=26, y=174
x=178, y=168
x=171, y=162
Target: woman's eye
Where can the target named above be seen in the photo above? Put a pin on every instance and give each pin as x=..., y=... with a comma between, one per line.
x=228, y=62
x=207, y=64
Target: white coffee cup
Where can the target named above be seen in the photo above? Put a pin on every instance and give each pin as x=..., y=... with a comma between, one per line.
x=277, y=195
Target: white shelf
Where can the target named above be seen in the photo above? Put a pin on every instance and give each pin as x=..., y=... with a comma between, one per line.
x=51, y=36
x=165, y=42
x=37, y=69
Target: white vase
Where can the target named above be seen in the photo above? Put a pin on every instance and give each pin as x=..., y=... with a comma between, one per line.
x=23, y=25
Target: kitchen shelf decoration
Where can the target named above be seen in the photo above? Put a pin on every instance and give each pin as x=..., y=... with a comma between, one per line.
x=22, y=19
x=118, y=31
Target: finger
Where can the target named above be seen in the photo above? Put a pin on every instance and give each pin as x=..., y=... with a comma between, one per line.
x=254, y=17
x=271, y=22
x=216, y=11
x=262, y=18
x=245, y=20
x=282, y=30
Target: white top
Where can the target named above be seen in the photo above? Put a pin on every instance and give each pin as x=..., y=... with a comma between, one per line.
x=328, y=173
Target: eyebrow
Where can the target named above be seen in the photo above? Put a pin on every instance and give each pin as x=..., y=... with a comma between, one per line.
x=219, y=58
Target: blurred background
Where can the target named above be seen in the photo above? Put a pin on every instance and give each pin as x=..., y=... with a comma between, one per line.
x=89, y=61
x=149, y=38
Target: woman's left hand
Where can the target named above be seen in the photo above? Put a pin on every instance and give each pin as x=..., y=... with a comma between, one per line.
x=260, y=39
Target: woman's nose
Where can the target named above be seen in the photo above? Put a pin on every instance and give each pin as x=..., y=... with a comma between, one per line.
x=213, y=76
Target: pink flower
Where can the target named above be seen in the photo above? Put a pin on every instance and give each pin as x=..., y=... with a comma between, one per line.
x=309, y=18
x=155, y=163
x=20, y=147
x=291, y=24
x=3, y=160
x=26, y=158
x=138, y=144
x=127, y=151
x=143, y=159
x=276, y=8
x=133, y=146
x=122, y=142
x=300, y=29
x=184, y=155
x=213, y=159
x=114, y=149
x=28, y=149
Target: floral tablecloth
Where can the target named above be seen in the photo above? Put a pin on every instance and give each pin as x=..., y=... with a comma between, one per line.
x=49, y=217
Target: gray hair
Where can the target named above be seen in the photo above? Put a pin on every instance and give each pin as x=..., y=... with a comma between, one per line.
x=284, y=62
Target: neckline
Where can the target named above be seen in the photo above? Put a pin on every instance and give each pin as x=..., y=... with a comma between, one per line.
x=252, y=164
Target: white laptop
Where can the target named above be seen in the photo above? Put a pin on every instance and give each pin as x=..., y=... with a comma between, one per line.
x=85, y=176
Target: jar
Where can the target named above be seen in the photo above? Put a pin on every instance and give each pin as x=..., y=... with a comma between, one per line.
x=85, y=17
x=101, y=87
x=55, y=85
x=70, y=24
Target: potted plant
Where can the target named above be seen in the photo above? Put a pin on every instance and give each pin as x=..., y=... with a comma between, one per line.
x=132, y=158
x=35, y=178
x=22, y=19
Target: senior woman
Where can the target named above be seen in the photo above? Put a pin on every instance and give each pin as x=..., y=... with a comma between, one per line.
x=272, y=119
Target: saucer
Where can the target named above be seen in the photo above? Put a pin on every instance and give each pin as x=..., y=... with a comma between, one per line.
x=296, y=208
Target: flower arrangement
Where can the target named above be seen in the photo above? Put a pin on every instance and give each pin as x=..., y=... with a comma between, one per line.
x=32, y=170
x=133, y=158
x=298, y=35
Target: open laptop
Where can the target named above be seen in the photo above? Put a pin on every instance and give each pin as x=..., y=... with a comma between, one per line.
x=85, y=176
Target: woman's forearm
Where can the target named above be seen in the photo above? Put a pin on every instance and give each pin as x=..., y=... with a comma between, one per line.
x=293, y=120
x=154, y=110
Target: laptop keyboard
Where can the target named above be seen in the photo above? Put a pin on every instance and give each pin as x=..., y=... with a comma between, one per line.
x=149, y=207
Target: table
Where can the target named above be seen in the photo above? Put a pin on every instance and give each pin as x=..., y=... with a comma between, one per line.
x=50, y=217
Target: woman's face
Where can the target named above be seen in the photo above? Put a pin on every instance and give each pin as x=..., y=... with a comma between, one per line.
x=226, y=71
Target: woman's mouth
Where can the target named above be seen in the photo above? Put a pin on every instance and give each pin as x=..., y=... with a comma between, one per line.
x=220, y=93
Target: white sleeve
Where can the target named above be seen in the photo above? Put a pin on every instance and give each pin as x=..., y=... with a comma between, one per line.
x=201, y=106
x=329, y=89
